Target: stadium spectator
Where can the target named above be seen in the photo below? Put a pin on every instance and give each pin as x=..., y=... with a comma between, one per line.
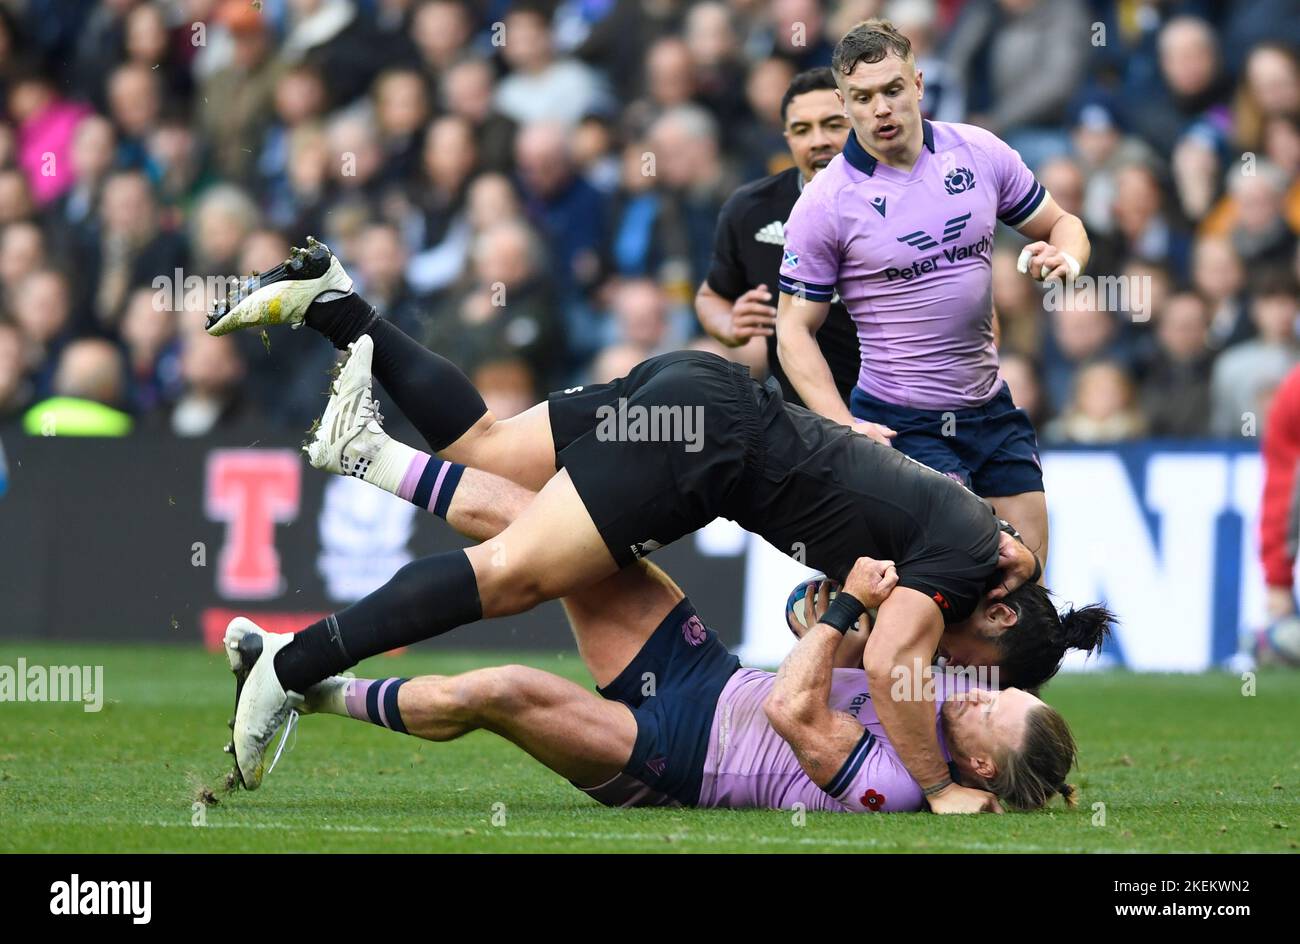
x=15, y=387
x=381, y=274
x=440, y=32
x=1022, y=375
x=1270, y=88
x=71, y=217
x=1217, y=273
x=1175, y=390
x=237, y=99
x=1018, y=303
x=333, y=37
x=401, y=105
x=1000, y=42
x=1144, y=224
x=540, y=87
x=504, y=311
x=467, y=90
x=1102, y=409
x=46, y=124
x=213, y=397
x=22, y=252
x=129, y=249
x=1246, y=374
x=1080, y=333
x=89, y=388
x=42, y=309
x=567, y=211
x=223, y=218
x=153, y=361
x=1193, y=85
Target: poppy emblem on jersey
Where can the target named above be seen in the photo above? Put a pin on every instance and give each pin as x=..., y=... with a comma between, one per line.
x=693, y=630
x=790, y=259
x=942, y=601
x=873, y=800
x=959, y=180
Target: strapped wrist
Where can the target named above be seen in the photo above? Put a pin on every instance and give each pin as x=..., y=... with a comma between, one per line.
x=844, y=612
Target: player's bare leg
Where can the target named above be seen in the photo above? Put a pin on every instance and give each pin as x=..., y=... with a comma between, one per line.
x=551, y=550
x=1027, y=513
x=573, y=731
x=611, y=619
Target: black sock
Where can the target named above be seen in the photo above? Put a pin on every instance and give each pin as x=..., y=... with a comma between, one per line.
x=426, y=598
x=436, y=397
x=342, y=320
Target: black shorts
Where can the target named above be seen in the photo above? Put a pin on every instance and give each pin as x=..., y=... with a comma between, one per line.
x=689, y=437
x=827, y=496
x=672, y=687
x=659, y=453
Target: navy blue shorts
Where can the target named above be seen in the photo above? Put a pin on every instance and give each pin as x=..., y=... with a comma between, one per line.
x=991, y=449
x=672, y=687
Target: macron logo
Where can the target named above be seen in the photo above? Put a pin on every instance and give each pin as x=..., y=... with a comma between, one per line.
x=773, y=232
x=951, y=230
x=878, y=204
x=76, y=897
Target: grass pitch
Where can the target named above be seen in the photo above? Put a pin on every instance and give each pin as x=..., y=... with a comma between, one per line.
x=1181, y=764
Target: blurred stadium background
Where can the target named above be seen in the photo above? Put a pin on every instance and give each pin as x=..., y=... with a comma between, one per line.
x=151, y=486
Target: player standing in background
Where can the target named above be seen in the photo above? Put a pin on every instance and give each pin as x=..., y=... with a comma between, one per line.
x=1279, y=513
x=736, y=302
x=902, y=222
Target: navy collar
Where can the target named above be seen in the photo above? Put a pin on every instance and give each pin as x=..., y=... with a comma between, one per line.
x=858, y=156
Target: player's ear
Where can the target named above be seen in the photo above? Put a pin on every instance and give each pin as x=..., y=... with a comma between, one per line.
x=1001, y=615
x=920, y=85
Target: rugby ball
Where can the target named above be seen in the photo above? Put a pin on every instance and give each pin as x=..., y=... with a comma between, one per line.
x=794, y=604
x=1279, y=644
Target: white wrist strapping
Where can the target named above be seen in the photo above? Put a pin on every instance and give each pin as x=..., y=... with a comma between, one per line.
x=1072, y=264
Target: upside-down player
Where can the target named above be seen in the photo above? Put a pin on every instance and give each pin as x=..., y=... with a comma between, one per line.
x=677, y=720
x=809, y=486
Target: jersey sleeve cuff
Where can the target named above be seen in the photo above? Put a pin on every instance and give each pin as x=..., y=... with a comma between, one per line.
x=844, y=778
x=813, y=291
x=1026, y=208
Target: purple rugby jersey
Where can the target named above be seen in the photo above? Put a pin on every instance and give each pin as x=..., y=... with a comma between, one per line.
x=910, y=254
x=749, y=765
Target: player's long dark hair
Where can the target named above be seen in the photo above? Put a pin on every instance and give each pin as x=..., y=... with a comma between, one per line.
x=1033, y=648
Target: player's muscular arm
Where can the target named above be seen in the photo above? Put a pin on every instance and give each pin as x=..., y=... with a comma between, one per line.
x=797, y=322
x=734, y=322
x=906, y=633
x=799, y=705
x=1059, y=247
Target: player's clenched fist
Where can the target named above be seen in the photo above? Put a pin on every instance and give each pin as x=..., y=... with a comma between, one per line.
x=870, y=581
x=1043, y=262
x=752, y=316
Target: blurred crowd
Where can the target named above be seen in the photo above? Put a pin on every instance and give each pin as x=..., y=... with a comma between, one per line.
x=531, y=189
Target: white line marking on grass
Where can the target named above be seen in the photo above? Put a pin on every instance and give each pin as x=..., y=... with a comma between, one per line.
x=657, y=838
